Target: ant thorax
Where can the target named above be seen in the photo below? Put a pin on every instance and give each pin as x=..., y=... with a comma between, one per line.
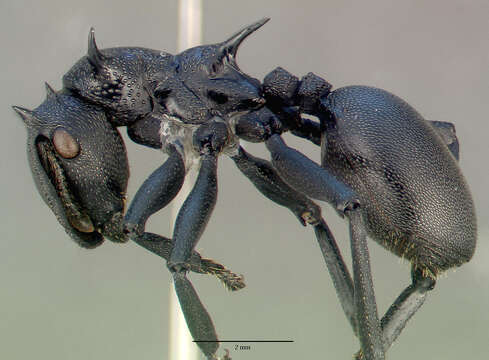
x=180, y=135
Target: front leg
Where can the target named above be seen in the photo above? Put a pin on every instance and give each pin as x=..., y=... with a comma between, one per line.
x=156, y=192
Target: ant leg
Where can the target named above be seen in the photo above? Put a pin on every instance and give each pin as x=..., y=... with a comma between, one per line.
x=307, y=177
x=196, y=316
x=262, y=174
x=404, y=307
x=264, y=177
x=162, y=246
x=157, y=191
x=191, y=221
x=338, y=271
x=312, y=180
x=195, y=211
x=369, y=329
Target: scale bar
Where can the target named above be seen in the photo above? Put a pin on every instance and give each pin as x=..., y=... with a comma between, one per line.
x=243, y=341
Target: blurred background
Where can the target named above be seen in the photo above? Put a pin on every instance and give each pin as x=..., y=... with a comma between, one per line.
x=58, y=301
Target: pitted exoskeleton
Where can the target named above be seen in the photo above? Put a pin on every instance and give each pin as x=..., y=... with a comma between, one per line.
x=390, y=173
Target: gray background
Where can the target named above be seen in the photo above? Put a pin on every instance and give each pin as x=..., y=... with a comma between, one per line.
x=58, y=301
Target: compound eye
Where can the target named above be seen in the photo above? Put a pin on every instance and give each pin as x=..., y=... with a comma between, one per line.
x=65, y=144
